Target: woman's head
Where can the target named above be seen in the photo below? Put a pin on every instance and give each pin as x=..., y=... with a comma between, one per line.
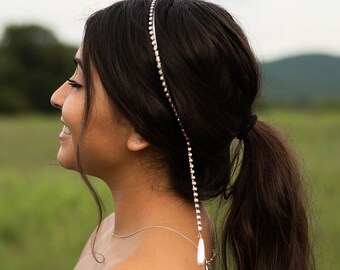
x=210, y=71
x=213, y=78
x=106, y=144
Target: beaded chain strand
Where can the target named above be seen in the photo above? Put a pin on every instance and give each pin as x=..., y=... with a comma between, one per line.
x=152, y=31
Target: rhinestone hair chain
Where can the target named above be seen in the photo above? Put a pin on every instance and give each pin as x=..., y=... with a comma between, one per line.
x=152, y=31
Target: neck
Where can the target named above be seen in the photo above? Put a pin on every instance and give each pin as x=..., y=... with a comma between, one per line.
x=139, y=208
x=142, y=200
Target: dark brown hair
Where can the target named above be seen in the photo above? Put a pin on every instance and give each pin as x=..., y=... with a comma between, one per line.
x=214, y=79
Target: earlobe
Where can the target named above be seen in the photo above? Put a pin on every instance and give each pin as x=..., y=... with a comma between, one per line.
x=136, y=142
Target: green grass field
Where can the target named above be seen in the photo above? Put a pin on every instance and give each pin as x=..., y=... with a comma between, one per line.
x=46, y=213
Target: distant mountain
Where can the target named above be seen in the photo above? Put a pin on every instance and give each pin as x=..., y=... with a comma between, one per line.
x=305, y=79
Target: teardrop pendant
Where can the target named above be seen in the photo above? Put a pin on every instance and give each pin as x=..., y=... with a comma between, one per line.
x=200, y=252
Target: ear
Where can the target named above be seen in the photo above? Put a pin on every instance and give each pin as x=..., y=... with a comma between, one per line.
x=136, y=142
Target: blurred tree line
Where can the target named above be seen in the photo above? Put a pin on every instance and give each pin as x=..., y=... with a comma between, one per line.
x=33, y=63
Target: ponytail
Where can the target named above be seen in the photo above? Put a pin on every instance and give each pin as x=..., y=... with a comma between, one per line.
x=266, y=226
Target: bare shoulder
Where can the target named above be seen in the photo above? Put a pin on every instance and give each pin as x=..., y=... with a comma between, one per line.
x=134, y=263
x=161, y=251
x=154, y=262
x=105, y=229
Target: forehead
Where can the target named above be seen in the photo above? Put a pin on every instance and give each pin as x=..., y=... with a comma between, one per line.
x=78, y=58
x=79, y=53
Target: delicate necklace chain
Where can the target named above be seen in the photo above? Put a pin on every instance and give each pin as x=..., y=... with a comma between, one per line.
x=154, y=227
x=208, y=262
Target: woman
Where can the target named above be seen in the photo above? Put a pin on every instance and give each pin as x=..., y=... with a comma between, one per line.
x=161, y=108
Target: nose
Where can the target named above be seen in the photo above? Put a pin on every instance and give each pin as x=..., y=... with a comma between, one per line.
x=59, y=96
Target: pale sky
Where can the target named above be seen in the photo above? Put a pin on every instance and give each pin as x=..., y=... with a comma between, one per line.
x=275, y=28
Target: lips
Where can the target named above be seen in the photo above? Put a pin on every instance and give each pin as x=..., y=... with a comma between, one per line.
x=65, y=133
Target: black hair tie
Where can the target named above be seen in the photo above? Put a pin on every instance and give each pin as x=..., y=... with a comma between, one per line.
x=247, y=127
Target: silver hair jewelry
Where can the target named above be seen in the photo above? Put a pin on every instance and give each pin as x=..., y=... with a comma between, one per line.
x=201, y=260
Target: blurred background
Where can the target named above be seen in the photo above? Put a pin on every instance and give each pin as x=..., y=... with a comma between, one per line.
x=46, y=213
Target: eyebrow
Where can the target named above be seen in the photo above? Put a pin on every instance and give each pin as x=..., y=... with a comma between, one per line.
x=77, y=62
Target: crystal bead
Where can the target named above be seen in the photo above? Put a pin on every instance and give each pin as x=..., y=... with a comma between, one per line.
x=200, y=252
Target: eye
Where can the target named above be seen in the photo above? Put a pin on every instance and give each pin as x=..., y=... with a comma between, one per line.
x=74, y=84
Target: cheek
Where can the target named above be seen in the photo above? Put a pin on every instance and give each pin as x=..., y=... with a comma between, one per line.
x=103, y=144
x=103, y=148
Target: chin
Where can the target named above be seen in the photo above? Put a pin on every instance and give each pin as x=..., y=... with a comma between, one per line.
x=67, y=160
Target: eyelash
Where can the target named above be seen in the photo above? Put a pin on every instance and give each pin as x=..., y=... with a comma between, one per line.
x=74, y=84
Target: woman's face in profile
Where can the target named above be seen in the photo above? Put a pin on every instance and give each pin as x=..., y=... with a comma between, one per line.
x=103, y=142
